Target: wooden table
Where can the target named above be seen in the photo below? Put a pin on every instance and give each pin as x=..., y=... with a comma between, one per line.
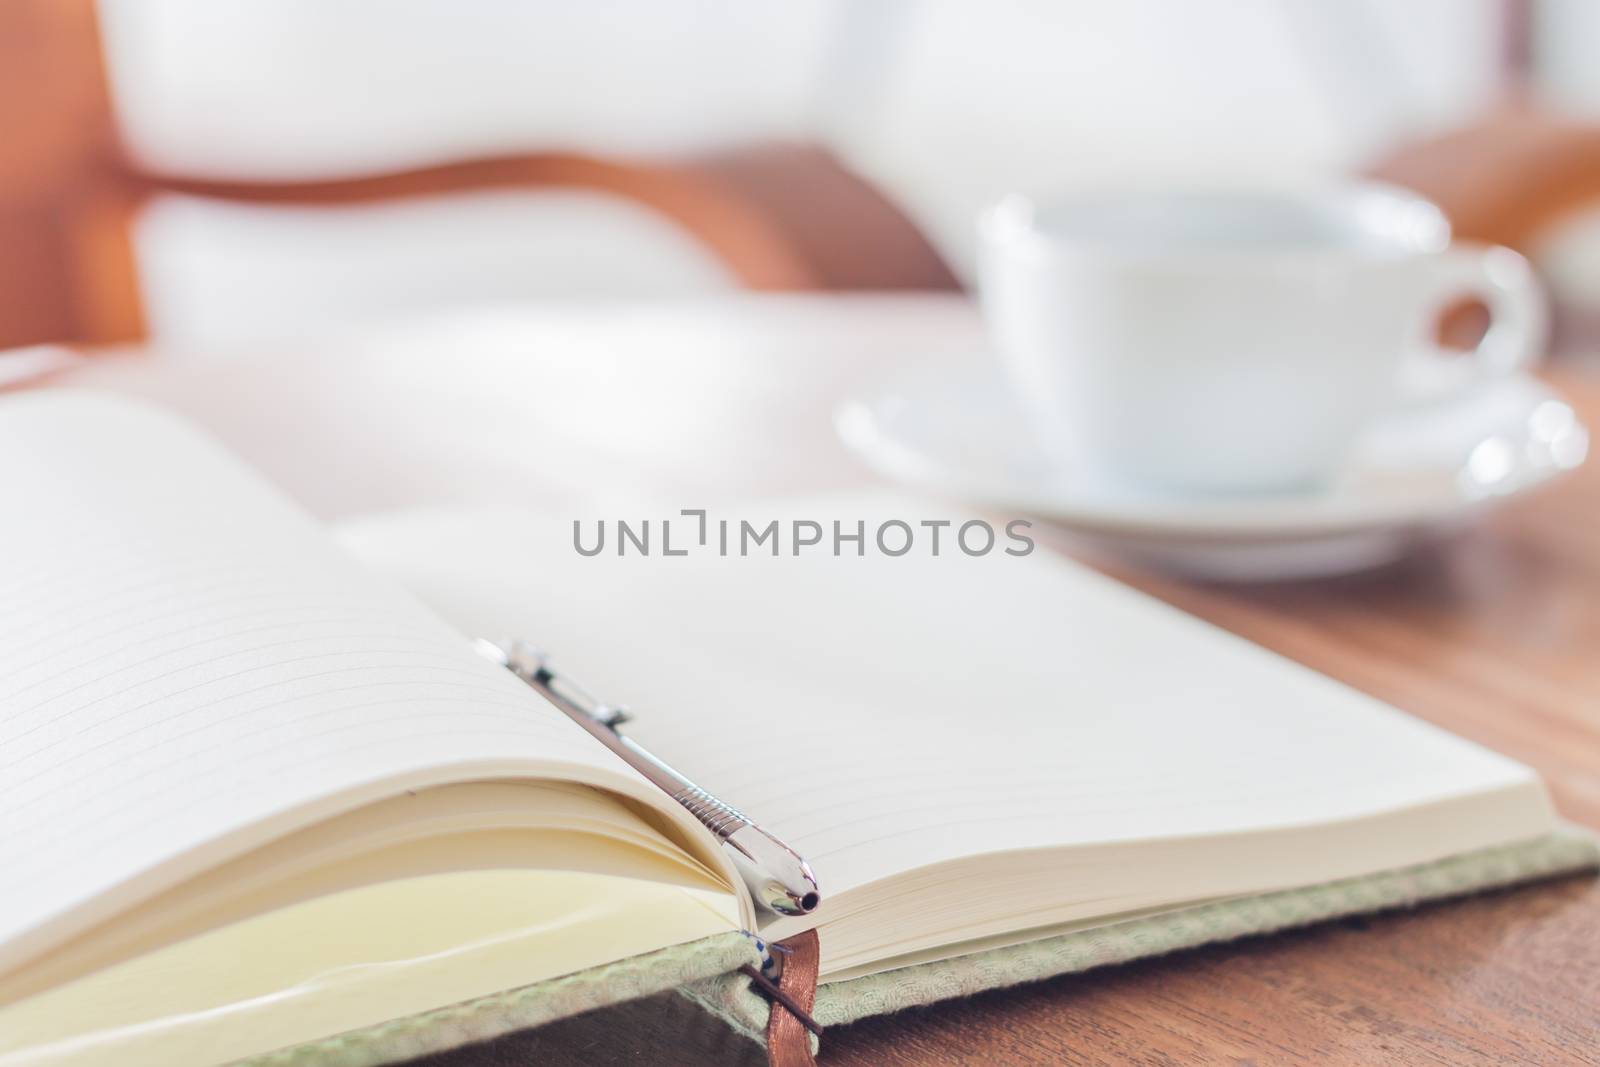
x=1496, y=637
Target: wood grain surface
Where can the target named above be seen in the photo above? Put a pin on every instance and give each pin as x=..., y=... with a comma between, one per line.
x=1495, y=636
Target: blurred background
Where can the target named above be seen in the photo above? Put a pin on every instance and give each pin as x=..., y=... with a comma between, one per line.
x=198, y=173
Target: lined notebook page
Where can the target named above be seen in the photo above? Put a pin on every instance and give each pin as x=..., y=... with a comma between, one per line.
x=881, y=714
x=184, y=657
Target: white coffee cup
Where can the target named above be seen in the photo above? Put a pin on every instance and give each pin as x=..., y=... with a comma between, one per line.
x=1223, y=342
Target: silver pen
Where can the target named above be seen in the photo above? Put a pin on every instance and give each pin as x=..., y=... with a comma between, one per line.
x=778, y=878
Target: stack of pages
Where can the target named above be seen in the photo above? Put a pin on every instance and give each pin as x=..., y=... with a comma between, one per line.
x=261, y=796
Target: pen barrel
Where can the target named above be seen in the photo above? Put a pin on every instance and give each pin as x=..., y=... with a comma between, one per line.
x=721, y=819
x=775, y=874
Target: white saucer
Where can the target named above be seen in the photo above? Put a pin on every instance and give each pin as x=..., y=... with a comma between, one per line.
x=1410, y=477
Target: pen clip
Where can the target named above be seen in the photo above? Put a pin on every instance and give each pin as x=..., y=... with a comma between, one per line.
x=533, y=666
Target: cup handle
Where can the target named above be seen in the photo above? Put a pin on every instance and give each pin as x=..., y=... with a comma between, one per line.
x=1519, y=316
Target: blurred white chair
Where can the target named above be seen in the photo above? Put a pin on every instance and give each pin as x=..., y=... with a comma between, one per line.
x=289, y=167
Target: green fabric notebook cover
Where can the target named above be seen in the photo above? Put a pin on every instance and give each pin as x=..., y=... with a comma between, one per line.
x=706, y=971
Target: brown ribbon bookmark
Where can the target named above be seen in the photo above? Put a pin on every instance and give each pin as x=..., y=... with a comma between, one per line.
x=788, y=1024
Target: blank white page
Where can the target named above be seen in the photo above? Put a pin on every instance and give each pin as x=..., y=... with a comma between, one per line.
x=883, y=714
x=188, y=667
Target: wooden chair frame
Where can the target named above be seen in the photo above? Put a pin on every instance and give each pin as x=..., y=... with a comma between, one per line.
x=779, y=216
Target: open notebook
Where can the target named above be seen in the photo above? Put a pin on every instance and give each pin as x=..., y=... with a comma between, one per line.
x=258, y=801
